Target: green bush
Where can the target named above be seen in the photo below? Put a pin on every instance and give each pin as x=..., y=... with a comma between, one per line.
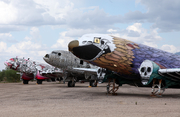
x=9, y=76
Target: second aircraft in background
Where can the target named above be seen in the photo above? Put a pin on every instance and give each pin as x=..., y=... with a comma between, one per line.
x=74, y=69
x=30, y=70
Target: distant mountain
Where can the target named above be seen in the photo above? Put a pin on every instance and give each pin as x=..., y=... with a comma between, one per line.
x=178, y=53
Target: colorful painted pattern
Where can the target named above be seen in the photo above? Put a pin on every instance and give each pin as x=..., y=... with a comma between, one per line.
x=121, y=59
x=165, y=59
x=128, y=56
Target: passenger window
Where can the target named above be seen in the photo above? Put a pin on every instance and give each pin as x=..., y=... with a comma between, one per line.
x=59, y=54
x=81, y=62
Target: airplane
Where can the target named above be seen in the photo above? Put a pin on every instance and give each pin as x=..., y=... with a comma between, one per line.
x=74, y=69
x=30, y=70
x=128, y=62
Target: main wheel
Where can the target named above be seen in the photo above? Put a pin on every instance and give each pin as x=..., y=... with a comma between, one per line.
x=53, y=79
x=39, y=81
x=71, y=84
x=93, y=83
x=25, y=81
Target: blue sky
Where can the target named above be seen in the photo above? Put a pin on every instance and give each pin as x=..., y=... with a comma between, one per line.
x=33, y=28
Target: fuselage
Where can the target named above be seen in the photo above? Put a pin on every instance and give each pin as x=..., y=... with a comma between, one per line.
x=66, y=61
x=120, y=55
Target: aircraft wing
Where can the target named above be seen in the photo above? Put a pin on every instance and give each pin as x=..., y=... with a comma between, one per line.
x=87, y=70
x=173, y=73
x=52, y=73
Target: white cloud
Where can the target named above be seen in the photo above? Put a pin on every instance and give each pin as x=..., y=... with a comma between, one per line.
x=139, y=34
x=35, y=33
x=28, y=45
x=136, y=27
x=151, y=44
x=23, y=48
x=62, y=42
x=4, y=36
x=3, y=46
x=55, y=12
x=170, y=48
x=8, y=13
x=164, y=14
x=79, y=32
x=55, y=8
x=111, y=30
x=28, y=38
x=14, y=50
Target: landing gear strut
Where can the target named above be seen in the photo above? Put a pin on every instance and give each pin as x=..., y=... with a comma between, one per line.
x=160, y=90
x=111, y=87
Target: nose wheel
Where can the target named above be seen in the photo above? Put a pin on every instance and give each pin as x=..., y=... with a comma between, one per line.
x=111, y=87
x=71, y=83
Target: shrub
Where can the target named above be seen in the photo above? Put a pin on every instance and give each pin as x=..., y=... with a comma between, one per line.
x=9, y=76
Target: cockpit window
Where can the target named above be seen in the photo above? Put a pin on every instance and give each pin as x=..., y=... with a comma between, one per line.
x=54, y=52
x=97, y=40
x=84, y=42
x=87, y=42
x=59, y=54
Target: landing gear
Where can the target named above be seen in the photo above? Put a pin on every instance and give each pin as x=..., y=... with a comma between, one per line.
x=71, y=84
x=93, y=83
x=111, y=87
x=53, y=79
x=160, y=90
x=25, y=81
x=60, y=79
x=39, y=81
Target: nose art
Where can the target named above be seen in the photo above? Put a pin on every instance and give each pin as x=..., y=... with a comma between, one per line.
x=72, y=44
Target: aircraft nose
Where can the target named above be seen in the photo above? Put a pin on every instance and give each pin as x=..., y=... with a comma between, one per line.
x=72, y=44
x=7, y=64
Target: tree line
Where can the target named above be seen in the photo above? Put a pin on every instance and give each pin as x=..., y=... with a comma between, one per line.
x=9, y=75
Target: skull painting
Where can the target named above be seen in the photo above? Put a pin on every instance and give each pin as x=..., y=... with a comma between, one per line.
x=145, y=71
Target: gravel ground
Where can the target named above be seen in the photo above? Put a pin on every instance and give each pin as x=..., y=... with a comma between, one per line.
x=52, y=99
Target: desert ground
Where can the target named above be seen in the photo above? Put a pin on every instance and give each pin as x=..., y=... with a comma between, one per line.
x=53, y=99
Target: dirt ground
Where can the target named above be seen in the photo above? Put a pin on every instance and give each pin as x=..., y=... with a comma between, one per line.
x=52, y=99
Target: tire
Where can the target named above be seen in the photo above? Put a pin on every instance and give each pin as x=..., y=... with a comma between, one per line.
x=39, y=81
x=25, y=81
x=48, y=80
x=71, y=84
x=53, y=79
x=93, y=83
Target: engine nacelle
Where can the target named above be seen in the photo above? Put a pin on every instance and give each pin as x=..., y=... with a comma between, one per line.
x=148, y=70
x=98, y=75
x=101, y=72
